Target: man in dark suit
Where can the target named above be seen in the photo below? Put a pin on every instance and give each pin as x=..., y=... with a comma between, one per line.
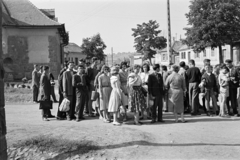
x=156, y=91
x=68, y=89
x=45, y=91
x=233, y=85
x=35, y=83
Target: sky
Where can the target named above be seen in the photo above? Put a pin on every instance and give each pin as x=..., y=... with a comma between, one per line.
x=114, y=19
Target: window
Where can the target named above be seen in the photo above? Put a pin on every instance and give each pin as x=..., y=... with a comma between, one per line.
x=212, y=52
x=197, y=55
x=204, y=53
x=164, y=57
x=76, y=61
x=224, y=52
x=183, y=55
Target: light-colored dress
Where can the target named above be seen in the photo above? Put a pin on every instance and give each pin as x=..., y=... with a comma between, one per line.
x=104, y=90
x=115, y=98
x=144, y=77
x=176, y=87
x=123, y=79
x=224, y=86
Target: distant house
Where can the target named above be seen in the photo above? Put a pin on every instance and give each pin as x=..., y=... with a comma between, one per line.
x=72, y=52
x=186, y=53
x=31, y=37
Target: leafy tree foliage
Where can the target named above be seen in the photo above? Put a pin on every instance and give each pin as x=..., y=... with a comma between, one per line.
x=93, y=47
x=213, y=23
x=147, y=39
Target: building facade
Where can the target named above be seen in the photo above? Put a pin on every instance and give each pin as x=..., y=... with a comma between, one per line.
x=72, y=52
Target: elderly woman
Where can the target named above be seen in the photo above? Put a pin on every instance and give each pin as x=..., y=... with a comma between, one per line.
x=104, y=92
x=123, y=74
x=176, y=88
x=136, y=97
x=115, y=97
x=144, y=77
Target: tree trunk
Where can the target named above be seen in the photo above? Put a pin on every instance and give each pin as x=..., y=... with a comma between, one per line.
x=231, y=52
x=150, y=61
x=220, y=54
x=3, y=132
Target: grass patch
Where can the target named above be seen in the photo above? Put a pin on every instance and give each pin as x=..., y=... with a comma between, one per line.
x=17, y=94
x=59, y=145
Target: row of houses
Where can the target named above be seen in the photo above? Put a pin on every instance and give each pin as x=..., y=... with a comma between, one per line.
x=182, y=52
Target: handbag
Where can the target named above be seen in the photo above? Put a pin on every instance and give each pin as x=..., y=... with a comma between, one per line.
x=45, y=104
x=94, y=95
x=65, y=105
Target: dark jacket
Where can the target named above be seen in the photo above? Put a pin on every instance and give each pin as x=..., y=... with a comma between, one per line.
x=233, y=73
x=45, y=87
x=60, y=77
x=210, y=82
x=35, y=78
x=79, y=81
x=67, y=83
x=193, y=75
x=155, y=85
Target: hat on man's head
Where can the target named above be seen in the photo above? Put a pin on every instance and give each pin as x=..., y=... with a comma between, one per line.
x=228, y=61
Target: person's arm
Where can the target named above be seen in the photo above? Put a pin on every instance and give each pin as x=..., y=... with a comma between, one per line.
x=35, y=79
x=100, y=87
x=149, y=85
x=64, y=84
x=118, y=89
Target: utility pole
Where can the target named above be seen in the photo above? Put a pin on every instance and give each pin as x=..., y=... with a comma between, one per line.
x=169, y=44
x=3, y=128
x=112, y=56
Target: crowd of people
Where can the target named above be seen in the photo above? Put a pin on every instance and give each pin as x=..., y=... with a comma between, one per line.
x=146, y=91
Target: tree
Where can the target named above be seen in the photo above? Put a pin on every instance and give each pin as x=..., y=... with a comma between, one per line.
x=213, y=23
x=93, y=47
x=147, y=39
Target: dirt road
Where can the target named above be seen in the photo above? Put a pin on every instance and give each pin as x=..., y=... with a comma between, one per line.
x=200, y=138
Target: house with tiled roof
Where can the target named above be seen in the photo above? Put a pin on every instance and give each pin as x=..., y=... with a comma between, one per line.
x=72, y=52
x=31, y=36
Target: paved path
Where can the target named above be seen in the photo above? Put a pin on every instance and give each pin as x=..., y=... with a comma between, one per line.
x=201, y=138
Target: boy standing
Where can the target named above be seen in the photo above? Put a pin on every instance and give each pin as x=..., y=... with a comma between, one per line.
x=211, y=88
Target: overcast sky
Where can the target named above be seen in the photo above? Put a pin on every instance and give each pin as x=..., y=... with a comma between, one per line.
x=113, y=19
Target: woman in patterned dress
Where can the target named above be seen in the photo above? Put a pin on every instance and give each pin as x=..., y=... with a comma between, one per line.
x=104, y=92
x=123, y=75
x=115, y=97
x=136, y=97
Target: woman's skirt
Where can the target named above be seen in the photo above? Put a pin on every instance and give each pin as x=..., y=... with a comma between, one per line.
x=176, y=100
x=136, y=99
x=124, y=97
x=105, y=98
x=114, y=101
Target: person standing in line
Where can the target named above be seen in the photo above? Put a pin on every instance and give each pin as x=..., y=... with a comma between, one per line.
x=91, y=73
x=45, y=88
x=193, y=76
x=144, y=77
x=165, y=74
x=123, y=75
x=115, y=97
x=61, y=115
x=79, y=82
x=52, y=87
x=104, y=92
x=156, y=92
x=68, y=89
x=233, y=85
x=35, y=83
x=182, y=72
x=210, y=87
x=176, y=89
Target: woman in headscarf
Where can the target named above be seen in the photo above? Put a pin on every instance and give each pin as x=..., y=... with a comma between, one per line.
x=123, y=74
x=115, y=97
x=136, y=96
x=176, y=89
x=104, y=92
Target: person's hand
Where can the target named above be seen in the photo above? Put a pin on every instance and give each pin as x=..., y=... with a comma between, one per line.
x=152, y=96
x=64, y=95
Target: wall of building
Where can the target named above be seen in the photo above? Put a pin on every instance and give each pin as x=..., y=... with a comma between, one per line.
x=31, y=46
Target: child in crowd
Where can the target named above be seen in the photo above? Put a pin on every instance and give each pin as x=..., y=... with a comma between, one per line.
x=210, y=86
x=223, y=80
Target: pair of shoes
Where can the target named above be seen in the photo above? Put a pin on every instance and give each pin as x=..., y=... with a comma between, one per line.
x=208, y=113
x=45, y=119
x=116, y=124
x=125, y=119
x=141, y=118
x=153, y=121
x=35, y=102
x=51, y=116
x=91, y=115
x=60, y=118
x=193, y=114
x=162, y=121
x=55, y=101
x=148, y=117
x=225, y=116
x=78, y=120
x=69, y=119
x=184, y=121
x=138, y=123
x=82, y=118
x=106, y=121
x=236, y=115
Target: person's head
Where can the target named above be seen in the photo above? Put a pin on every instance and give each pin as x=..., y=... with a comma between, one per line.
x=170, y=66
x=136, y=68
x=228, y=63
x=175, y=68
x=105, y=69
x=208, y=68
x=164, y=68
x=186, y=67
x=41, y=69
x=81, y=69
x=46, y=69
x=182, y=64
x=191, y=63
x=114, y=70
x=36, y=67
x=224, y=69
x=81, y=62
x=207, y=62
x=94, y=61
x=70, y=65
x=156, y=67
x=145, y=68
x=123, y=66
